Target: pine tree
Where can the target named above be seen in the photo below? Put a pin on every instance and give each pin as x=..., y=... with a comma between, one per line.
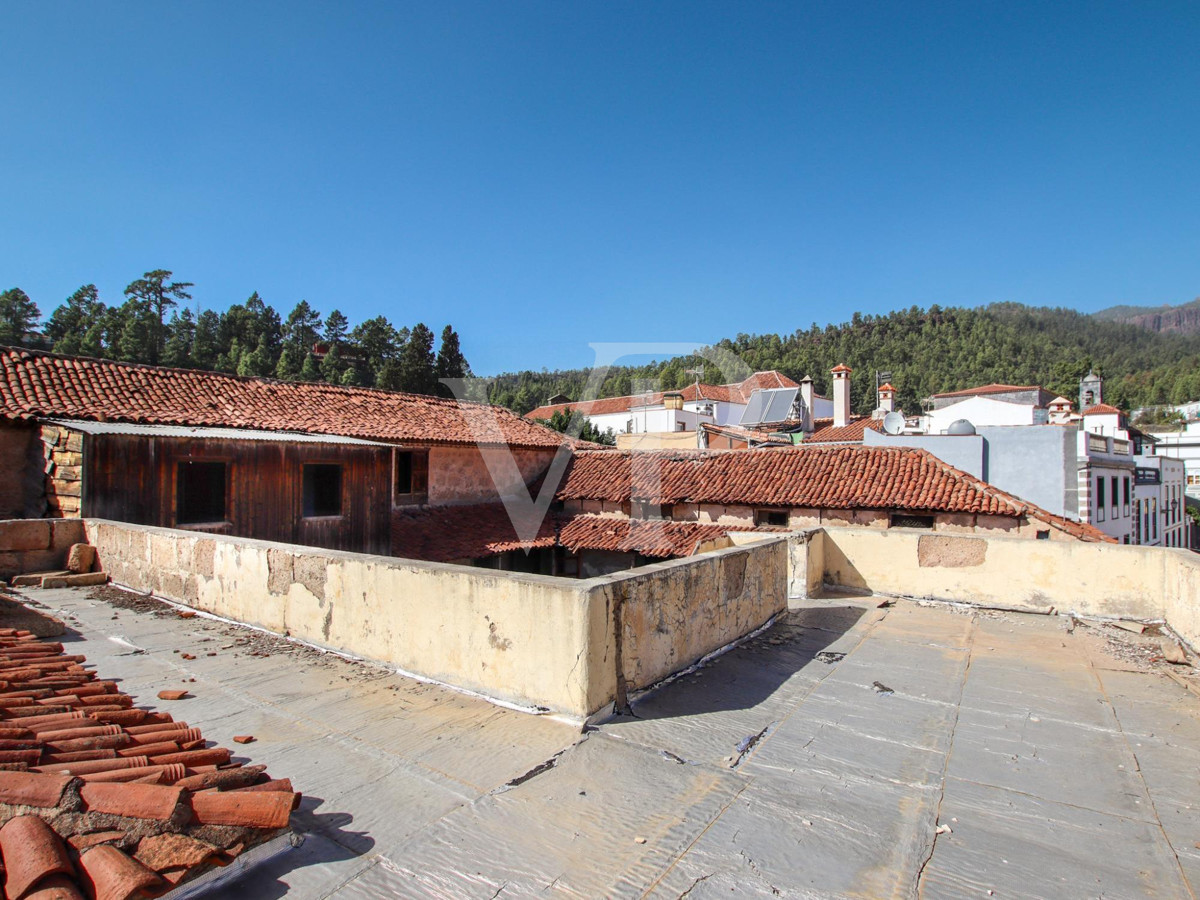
x=417, y=362
x=450, y=361
x=336, y=328
x=181, y=336
x=291, y=361
x=18, y=317
x=311, y=370
x=68, y=325
x=154, y=296
x=333, y=366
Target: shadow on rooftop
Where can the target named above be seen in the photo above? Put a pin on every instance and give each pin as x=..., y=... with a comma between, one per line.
x=804, y=641
x=327, y=842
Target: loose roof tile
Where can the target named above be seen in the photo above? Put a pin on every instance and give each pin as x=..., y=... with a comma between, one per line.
x=34, y=384
x=140, y=822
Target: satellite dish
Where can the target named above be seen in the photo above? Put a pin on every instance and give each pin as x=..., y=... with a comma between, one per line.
x=893, y=423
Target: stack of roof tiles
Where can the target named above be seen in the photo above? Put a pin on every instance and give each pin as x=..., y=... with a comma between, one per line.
x=447, y=533
x=45, y=385
x=835, y=477
x=104, y=800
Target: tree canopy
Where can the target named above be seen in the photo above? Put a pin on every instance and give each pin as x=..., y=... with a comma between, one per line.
x=249, y=338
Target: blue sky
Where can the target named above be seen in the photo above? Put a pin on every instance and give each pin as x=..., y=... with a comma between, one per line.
x=545, y=175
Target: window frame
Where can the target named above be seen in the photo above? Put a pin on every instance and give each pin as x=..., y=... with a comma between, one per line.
x=418, y=476
x=304, y=485
x=177, y=493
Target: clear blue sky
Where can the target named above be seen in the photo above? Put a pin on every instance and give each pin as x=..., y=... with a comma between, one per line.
x=543, y=175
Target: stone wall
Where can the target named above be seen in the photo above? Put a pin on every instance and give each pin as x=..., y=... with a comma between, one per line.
x=566, y=645
x=62, y=450
x=36, y=545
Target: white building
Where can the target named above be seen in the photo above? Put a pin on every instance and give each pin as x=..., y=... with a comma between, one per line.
x=687, y=409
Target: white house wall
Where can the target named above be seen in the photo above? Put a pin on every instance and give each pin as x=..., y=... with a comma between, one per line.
x=980, y=411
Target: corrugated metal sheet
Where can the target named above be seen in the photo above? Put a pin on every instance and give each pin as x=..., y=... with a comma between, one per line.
x=228, y=434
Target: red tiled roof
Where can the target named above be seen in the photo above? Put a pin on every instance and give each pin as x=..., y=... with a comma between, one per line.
x=991, y=389
x=887, y=387
x=1102, y=409
x=841, y=367
x=447, y=533
x=35, y=384
x=138, y=799
x=735, y=392
x=842, y=477
x=825, y=432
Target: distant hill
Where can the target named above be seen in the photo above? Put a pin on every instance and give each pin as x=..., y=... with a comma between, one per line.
x=1183, y=319
x=929, y=351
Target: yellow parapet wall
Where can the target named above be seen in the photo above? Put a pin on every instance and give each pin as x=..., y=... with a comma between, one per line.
x=569, y=646
x=1071, y=576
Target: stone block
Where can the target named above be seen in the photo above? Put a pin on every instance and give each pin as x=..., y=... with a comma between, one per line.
x=25, y=534
x=35, y=579
x=81, y=558
x=75, y=442
x=61, y=488
x=85, y=580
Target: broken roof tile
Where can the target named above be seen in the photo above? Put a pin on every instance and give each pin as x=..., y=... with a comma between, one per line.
x=77, y=791
x=32, y=852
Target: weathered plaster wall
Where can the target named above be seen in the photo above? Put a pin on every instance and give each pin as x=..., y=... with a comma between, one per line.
x=1086, y=578
x=461, y=474
x=36, y=545
x=529, y=639
x=671, y=614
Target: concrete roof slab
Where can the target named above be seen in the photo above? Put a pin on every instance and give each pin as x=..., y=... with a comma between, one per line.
x=1023, y=846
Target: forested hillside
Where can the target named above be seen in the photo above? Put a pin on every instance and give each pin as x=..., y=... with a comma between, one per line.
x=1184, y=319
x=931, y=350
x=155, y=325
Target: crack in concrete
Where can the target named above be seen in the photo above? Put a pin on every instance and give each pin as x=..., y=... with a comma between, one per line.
x=931, y=843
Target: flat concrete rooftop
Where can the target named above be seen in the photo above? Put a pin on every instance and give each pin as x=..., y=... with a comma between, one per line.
x=948, y=753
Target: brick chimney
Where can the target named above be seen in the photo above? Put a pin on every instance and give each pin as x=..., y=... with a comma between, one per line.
x=887, y=398
x=806, y=397
x=841, y=395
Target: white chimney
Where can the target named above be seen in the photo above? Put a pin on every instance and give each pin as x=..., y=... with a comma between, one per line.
x=887, y=398
x=841, y=395
x=806, y=397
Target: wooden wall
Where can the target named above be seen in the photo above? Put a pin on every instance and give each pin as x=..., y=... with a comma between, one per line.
x=132, y=478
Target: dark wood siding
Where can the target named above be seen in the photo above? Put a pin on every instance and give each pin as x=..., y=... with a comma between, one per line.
x=132, y=478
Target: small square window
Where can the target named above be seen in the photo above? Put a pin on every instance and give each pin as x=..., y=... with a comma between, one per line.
x=774, y=517
x=322, y=490
x=907, y=521
x=412, y=472
x=200, y=489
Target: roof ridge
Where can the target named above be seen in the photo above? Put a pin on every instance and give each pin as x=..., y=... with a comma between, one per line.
x=252, y=379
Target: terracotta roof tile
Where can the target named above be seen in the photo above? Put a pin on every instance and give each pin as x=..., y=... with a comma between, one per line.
x=843, y=434
x=35, y=384
x=32, y=853
x=833, y=477
x=451, y=533
x=1102, y=409
x=990, y=389
x=108, y=874
x=84, y=801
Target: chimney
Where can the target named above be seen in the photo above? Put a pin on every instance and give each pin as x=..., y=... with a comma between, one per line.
x=673, y=400
x=887, y=399
x=841, y=395
x=806, y=397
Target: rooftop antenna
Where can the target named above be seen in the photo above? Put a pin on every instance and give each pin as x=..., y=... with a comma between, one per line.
x=698, y=372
